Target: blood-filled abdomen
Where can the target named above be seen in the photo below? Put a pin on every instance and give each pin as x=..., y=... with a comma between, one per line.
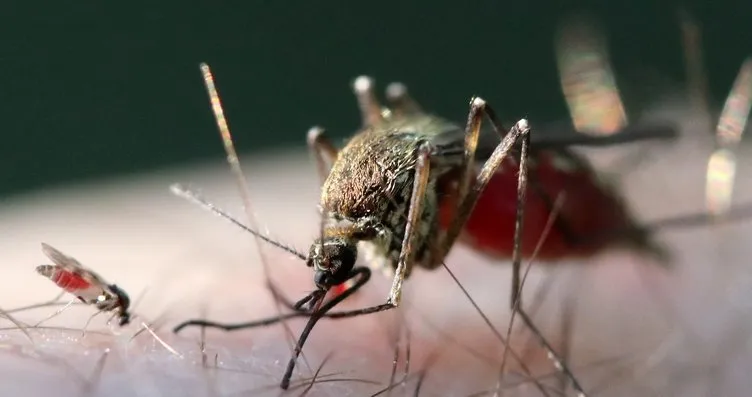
x=69, y=281
x=591, y=217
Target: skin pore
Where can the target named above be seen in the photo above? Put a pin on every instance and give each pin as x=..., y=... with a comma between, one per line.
x=636, y=328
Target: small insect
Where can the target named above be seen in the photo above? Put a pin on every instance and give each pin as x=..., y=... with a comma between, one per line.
x=382, y=193
x=70, y=275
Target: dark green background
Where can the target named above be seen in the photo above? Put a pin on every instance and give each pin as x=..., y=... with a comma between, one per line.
x=91, y=89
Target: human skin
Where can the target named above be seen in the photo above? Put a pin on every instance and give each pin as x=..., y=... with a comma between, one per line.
x=650, y=331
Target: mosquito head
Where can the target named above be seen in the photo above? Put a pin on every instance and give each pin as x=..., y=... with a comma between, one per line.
x=125, y=318
x=332, y=258
x=123, y=302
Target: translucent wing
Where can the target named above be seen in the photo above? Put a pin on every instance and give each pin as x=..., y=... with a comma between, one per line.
x=72, y=276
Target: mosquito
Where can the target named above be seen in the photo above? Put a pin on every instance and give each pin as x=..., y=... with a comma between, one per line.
x=89, y=287
x=382, y=193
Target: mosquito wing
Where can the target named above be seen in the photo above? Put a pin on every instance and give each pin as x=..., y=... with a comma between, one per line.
x=70, y=275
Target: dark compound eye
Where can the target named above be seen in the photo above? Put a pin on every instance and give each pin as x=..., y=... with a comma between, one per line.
x=321, y=279
x=340, y=256
x=333, y=261
x=332, y=255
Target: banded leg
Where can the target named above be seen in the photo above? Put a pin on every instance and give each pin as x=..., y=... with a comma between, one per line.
x=370, y=109
x=467, y=197
x=420, y=183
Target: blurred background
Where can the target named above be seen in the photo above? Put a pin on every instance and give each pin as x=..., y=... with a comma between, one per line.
x=93, y=89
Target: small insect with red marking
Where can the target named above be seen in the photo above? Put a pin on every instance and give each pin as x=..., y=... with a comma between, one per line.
x=70, y=275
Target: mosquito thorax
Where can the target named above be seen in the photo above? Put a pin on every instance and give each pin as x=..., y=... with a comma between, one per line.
x=114, y=298
x=332, y=258
x=123, y=300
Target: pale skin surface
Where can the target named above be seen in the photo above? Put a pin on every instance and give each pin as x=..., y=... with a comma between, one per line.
x=136, y=234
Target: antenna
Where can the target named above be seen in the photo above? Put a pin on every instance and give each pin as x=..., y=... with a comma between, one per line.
x=240, y=179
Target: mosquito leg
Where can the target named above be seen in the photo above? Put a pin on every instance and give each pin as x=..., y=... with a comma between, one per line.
x=516, y=258
x=552, y=355
x=400, y=101
x=297, y=312
x=325, y=154
x=298, y=306
x=277, y=294
x=567, y=325
x=370, y=109
x=56, y=313
x=537, y=301
x=365, y=274
x=468, y=197
x=472, y=132
x=323, y=151
x=83, y=331
x=542, y=289
x=420, y=184
x=519, y=225
x=109, y=320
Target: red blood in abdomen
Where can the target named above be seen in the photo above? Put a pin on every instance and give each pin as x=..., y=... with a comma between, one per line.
x=589, y=210
x=70, y=282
